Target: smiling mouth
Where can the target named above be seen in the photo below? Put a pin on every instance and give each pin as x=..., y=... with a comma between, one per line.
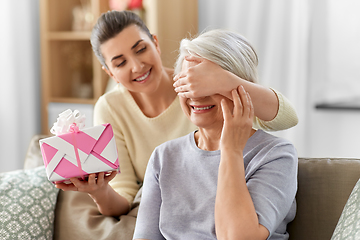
x=202, y=108
x=143, y=77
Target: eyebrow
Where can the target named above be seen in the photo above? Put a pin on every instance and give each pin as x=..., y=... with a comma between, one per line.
x=134, y=46
x=137, y=43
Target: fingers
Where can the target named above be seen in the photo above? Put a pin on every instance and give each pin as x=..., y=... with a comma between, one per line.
x=186, y=94
x=176, y=79
x=248, y=108
x=184, y=74
x=244, y=99
x=242, y=102
x=238, y=108
x=66, y=187
x=252, y=111
x=192, y=58
x=102, y=178
x=225, y=110
x=112, y=175
x=94, y=181
x=180, y=80
x=237, y=97
x=78, y=184
x=183, y=94
x=182, y=88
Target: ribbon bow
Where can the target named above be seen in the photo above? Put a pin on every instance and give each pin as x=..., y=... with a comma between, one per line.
x=74, y=128
x=68, y=122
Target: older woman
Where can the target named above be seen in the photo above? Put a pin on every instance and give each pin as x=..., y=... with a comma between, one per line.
x=225, y=180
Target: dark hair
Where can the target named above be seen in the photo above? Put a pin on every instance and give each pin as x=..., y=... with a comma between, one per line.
x=111, y=24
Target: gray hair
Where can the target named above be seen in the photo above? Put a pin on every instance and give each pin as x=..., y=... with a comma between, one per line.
x=228, y=49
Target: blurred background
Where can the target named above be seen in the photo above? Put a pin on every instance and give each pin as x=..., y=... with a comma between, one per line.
x=308, y=50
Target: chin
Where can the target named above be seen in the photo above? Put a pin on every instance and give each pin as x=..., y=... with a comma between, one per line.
x=201, y=124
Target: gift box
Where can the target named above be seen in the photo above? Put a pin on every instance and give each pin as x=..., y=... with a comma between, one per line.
x=77, y=152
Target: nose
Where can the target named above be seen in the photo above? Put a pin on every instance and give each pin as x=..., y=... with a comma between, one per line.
x=136, y=65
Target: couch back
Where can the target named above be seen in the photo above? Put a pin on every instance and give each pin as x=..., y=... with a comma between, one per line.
x=324, y=186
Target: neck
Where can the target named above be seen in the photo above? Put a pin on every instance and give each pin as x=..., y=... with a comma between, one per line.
x=208, y=140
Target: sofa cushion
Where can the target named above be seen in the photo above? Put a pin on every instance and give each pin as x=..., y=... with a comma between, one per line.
x=78, y=214
x=348, y=226
x=33, y=157
x=324, y=186
x=27, y=204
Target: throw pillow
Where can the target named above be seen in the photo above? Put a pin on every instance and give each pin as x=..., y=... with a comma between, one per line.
x=348, y=226
x=27, y=204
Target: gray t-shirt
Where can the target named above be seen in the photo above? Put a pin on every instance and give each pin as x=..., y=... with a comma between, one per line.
x=179, y=191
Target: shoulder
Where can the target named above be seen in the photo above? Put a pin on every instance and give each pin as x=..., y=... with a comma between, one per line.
x=173, y=149
x=168, y=153
x=264, y=138
x=175, y=145
x=112, y=105
x=270, y=146
x=119, y=93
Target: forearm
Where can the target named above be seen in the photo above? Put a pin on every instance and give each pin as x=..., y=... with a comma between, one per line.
x=207, y=78
x=265, y=101
x=235, y=215
x=111, y=203
x=285, y=118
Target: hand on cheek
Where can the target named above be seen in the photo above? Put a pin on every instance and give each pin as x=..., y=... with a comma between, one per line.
x=238, y=121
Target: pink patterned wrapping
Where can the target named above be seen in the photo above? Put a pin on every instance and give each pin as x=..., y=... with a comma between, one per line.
x=93, y=147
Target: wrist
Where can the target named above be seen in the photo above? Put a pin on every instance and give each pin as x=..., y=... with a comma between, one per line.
x=231, y=81
x=100, y=194
x=231, y=153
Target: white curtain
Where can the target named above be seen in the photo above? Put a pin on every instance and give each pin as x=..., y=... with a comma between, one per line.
x=20, y=80
x=279, y=31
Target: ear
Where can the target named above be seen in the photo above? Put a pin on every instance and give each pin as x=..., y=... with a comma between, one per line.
x=156, y=42
x=107, y=71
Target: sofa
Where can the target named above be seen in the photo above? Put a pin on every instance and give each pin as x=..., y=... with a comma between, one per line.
x=324, y=186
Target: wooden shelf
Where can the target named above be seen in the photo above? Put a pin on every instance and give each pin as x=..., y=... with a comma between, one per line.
x=70, y=72
x=73, y=100
x=68, y=35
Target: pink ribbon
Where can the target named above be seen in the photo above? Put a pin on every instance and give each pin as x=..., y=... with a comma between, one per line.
x=75, y=129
